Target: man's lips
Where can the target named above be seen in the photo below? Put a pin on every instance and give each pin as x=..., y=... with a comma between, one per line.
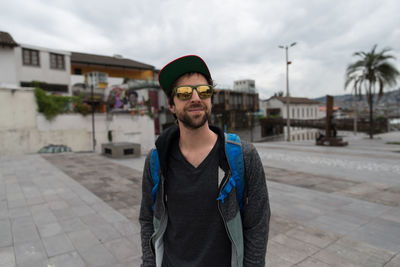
x=195, y=109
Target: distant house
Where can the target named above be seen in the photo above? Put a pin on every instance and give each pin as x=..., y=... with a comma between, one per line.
x=22, y=64
x=300, y=108
x=246, y=86
x=116, y=67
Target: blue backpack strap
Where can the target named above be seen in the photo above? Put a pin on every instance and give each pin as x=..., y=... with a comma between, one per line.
x=233, y=149
x=154, y=171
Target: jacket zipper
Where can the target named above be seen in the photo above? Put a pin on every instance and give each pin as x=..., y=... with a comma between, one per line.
x=219, y=208
x=162, y=218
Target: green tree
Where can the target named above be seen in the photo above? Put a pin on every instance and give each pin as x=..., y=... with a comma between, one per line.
x=370, y=72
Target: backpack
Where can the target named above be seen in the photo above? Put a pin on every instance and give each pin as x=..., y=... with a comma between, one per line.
x=233, y=149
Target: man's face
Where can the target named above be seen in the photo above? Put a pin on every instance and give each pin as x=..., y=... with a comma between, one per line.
x=194, y=112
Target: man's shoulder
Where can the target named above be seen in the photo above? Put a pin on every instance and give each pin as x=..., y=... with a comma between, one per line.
x=248, y=148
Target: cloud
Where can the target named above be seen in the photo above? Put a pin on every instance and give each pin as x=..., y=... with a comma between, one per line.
x=238, y=39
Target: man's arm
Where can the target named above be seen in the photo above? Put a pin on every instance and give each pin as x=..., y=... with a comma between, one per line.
x=256, y=213
x=146, y=216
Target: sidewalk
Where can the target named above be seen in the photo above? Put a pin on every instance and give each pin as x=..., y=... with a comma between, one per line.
x=48, y=219
x=330, y=207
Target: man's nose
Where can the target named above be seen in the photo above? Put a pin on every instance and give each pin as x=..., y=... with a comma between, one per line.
x=195, y=96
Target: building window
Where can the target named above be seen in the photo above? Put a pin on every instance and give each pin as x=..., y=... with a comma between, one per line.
x=293, y=113
x=30, y=57
x=57, y=61
x=78, y=71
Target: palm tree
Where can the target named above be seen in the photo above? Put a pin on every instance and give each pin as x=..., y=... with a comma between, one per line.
x=373, y=70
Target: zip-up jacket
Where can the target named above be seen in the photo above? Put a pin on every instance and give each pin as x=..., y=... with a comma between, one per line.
x=247, y=229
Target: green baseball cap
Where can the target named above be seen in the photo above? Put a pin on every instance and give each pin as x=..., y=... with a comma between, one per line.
x=176, y=68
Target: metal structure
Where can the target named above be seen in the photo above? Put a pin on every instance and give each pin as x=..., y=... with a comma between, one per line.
x=286, y=47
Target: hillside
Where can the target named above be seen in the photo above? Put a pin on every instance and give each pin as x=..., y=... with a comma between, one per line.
x=391, y=98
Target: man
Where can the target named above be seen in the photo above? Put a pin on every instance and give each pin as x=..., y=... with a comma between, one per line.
x=183, y=223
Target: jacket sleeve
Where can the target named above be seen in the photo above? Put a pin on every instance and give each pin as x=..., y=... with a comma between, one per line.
x=256, y=213
x=146, y=216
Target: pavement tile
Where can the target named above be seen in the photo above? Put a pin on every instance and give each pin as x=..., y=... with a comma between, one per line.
x=112, y=216
x=36, y=263
x=365, y=208
x=279, y=224
x=73, y=225
x=98, y=256
x=358, y=253
x=64, y=214
x=334, y=259
x=5, y=233
x=295, y=244
x=83, y=240
x=35, y=200
x=312, y=236
x=131, y=263
x=126, y=228
x=24, y=232
x=122, y=249
x=43, y=207
x=17, y=203
x=71, y=259
x=58, y=204
x=82, y=210
x=18, y=212
x=7, y=256
x=392, y=215
x=93, y=219
x=381, y=233
x=29, y=252
x=274, y=260
x=105, y=232
x=51, y=229
x=312, y=262
x=4, y=214
x=44, y=217
x=58, y=244
x=285, y=253
x=333, y=224
x=367, y=253
x=394, y=262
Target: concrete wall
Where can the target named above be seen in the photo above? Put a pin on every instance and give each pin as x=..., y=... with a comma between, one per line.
x=23, y=130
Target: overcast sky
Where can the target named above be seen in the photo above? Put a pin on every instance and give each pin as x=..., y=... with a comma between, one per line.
x=237, y=39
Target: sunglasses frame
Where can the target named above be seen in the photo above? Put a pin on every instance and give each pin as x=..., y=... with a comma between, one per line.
x=194, y=87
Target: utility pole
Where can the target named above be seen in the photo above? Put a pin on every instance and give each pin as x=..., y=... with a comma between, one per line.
x=287, y=88
x=91, y=84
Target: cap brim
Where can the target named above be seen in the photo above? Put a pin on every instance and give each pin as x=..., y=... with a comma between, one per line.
x=176, y=68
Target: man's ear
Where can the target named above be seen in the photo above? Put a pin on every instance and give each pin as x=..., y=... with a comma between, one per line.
x=171, y=108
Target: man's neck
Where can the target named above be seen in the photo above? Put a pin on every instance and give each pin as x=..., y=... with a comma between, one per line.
x=196, y=138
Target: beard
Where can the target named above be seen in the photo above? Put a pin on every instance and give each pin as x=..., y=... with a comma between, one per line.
x=196, y=121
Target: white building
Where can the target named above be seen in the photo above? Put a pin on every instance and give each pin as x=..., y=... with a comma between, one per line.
x=23, y=64
x=246, y=86
x=300, y=108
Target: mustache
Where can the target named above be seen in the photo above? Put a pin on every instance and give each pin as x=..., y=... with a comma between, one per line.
x=196, y=105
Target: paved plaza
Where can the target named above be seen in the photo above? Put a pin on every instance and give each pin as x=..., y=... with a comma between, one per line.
x=331, y=206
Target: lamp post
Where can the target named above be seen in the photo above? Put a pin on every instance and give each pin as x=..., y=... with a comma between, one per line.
x=287, y=89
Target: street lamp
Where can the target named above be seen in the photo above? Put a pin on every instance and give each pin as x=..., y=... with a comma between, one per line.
x=287, y=89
